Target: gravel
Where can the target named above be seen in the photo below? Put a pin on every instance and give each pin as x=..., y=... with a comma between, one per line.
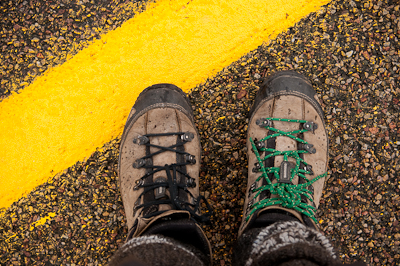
x=37, y=35
x=349, y=51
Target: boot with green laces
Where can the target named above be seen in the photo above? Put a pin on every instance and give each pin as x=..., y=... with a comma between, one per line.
x=287, y=153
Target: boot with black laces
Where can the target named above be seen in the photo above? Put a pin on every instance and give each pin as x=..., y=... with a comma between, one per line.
x=159, y=167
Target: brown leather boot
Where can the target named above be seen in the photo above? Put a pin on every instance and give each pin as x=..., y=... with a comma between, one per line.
x=159, y=168
x=287, y=153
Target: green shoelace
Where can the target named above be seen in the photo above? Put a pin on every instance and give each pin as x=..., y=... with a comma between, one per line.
x=289, y=195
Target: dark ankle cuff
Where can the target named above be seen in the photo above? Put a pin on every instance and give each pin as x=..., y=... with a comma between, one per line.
x=185, y=231
x=156, y=250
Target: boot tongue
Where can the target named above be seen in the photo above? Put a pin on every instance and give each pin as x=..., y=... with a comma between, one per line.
x=275, y=215
x=163, y=193
x=181, y=229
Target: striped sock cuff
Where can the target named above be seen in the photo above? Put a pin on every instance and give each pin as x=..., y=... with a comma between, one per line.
x=293, y=236
x=152, y=239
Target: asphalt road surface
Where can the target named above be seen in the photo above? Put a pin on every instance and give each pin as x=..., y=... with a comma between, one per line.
x=350, y=52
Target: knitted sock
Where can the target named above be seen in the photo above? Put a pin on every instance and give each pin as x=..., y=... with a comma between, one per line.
x=156, y=250
x=284, y=243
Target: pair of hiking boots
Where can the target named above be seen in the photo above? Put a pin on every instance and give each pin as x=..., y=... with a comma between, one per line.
x=160, y=155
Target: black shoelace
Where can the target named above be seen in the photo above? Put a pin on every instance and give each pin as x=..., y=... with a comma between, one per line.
x=176, y=188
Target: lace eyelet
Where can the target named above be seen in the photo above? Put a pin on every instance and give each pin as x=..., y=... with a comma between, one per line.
x=263, y=122
x=308, y=147
x=260, y=144
x=308, y=168
x=138, y=183
x=139, y=163
x=248, y=209
x=190, y=158
x=252, y=188
x=310, y=126
x=191, y=182
x=140, y=140
x=256, y=168
x=187, y=136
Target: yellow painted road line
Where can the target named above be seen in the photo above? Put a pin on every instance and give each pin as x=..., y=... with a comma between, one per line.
x=73, y=108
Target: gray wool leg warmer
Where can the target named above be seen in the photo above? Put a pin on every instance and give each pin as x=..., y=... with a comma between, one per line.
x=156, y=250
x=284, y=243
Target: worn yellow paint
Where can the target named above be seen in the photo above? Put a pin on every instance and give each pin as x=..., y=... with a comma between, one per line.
x=10, y=238
x=73, y=108
x=42, y=221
